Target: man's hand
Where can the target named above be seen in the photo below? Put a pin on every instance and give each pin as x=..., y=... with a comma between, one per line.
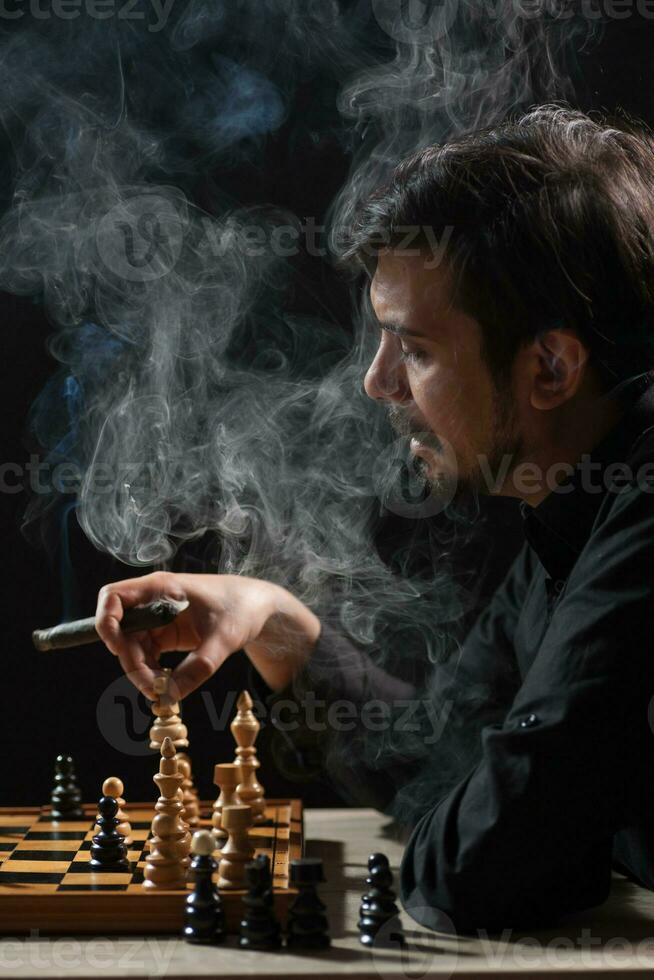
x=225, y=613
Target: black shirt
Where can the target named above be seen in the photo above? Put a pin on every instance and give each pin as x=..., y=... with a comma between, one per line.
x=554, y=685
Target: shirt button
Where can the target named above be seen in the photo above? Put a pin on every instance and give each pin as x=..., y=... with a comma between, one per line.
x=529, y=721
x=558, y=585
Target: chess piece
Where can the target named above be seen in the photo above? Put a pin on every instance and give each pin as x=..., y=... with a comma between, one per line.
x=168, y=860
x=66, y=797
x=108, y=851
x=250, y=791
x=114, y=787
x=226, y=776
x=245, y=728
x=259, y=927
x=189, y=796
x=188, y=785
x=167, y=723
x=182, y=813
x=307, y=923
x=204, y=919
x=180, y=797
x=238, y=850
x=379, y=922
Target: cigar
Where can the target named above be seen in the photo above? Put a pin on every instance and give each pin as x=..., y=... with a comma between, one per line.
x=83, y=631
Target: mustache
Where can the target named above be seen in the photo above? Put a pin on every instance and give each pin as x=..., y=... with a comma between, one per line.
x=404, y=425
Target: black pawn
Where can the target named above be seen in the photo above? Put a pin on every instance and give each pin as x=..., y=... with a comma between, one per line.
x=307, y=923
x=204, y=919
x=108, y=851
x=259, y=927
x=66, y=797
x=379, y=922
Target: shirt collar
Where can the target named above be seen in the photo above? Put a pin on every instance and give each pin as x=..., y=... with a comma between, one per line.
x=559, y=527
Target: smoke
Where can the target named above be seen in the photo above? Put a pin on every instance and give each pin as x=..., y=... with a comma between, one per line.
x=188, y=397
x=457, y=66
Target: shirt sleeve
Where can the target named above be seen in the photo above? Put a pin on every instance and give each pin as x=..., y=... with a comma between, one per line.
x=432, y=734
x=526, y=836
x=319, y=722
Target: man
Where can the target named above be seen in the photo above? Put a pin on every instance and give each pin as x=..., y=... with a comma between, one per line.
x=521, y=365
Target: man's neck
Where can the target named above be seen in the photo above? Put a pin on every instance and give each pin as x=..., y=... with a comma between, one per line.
x=573, y=433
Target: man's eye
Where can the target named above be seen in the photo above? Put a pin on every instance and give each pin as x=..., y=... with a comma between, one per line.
x=412, y=355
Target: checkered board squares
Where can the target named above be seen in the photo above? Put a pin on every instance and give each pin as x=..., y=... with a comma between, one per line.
x=46, y=882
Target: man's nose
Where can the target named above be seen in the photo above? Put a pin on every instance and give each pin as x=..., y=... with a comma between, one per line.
x=385, y=379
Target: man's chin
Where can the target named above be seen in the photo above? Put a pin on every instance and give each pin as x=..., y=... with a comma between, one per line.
x=438, y=480
x=431, y=461
x=443, y=484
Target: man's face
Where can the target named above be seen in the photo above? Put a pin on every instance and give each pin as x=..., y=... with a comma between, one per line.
x=429, y=370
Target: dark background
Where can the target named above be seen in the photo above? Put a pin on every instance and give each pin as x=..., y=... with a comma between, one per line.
x=50, y=702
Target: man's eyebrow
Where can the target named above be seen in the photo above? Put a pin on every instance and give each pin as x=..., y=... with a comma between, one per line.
x=392, y=327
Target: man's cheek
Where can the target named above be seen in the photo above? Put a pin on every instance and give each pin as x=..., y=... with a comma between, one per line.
x=442, y=405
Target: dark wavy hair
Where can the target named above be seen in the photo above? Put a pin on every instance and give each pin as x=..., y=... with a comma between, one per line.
x=550, y=218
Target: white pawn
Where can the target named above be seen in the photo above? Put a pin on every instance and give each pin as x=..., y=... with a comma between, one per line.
x=238, y=850
x=203, y=843
x=113, y=786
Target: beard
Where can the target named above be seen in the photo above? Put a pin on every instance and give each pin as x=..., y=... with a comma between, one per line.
x=505, y=441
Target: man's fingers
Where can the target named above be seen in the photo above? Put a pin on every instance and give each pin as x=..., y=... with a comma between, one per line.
x=134, y=651
x=115, y=598
x=198, y=666
x=140, y=672
x=108, y=617
x=138, y=652
x=144, y=588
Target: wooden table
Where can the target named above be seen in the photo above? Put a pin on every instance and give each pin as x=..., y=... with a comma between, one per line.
x=616, y=939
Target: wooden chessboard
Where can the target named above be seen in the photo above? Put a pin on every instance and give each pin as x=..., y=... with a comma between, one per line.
x=46, y=883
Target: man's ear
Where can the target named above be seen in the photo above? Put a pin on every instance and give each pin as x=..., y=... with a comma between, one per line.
x=559, y=360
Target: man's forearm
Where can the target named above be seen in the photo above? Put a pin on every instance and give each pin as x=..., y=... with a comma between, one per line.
x=286, y=643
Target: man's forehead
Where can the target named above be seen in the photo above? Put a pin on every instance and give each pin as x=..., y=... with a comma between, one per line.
x=404, y=282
